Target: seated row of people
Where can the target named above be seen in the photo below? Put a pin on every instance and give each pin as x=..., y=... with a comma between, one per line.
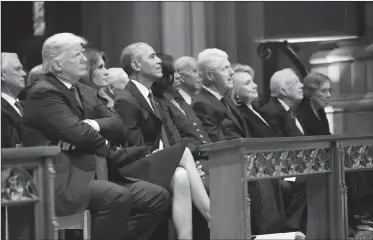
x=148, y=124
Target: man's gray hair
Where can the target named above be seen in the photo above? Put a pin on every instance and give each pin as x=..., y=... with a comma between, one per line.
x=209, y=60
x=128, y=54
x=56, y=45
x=183, y=62
x=279, y=80
x=5, y=56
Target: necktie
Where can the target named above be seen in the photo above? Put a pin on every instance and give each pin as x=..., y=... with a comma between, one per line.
x=156, y=111
x=291, y=114
x=223, y=101
x=76, y=94
x=19, y=106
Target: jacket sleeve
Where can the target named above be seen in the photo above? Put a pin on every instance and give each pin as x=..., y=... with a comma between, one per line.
x=130, y=118
x=55, y=119
x=210, y=121
x=111, y=126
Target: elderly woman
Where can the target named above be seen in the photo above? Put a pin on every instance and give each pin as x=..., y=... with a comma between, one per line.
x=311, y=114
x=267, y=217
x=310, y=111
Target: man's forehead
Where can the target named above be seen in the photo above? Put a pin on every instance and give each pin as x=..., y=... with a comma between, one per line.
x=13, y=61
x=145, y=50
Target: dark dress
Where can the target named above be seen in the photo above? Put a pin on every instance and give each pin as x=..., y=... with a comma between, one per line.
x=267, y=210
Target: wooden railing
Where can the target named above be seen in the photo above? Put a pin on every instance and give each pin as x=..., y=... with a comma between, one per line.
x=323, y=159
x=38, y=161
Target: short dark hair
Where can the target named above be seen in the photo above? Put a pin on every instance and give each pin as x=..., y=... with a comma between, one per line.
x=313, y=81
x=168, y=71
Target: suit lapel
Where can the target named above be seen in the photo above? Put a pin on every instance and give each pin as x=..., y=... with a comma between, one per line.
x=220, y=105
x=291, y=122
x=140, y=98
x=12, y=112
x=70, y=97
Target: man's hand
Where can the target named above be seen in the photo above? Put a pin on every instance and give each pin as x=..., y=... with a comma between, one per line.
x=93, y=124
x=65, y=146
x=199, y=169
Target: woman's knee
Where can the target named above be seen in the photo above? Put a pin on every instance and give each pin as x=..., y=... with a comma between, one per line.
x=187, y=158
x=181, y=178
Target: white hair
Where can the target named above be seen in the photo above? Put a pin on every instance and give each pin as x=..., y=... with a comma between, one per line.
x=279, y=80
x=117, y=75
x=209, y=60
x=183, y=62
x=5, y=56
x=56, y=45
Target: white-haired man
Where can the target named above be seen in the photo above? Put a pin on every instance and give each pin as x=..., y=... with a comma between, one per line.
x=190, y=82
x=12, y=83
x=59, y=108
x=286, y=93
x=220, y=118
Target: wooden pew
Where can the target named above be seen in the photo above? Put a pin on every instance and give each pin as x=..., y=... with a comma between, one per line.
x=40, y=161
x=322, y=159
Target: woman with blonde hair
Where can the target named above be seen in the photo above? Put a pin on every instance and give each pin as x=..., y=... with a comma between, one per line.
x=267, y=217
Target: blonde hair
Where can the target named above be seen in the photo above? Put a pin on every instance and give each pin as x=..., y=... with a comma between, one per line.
x=238, y=67
x=56, y=45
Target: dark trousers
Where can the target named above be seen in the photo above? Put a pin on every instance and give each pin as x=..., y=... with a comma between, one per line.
x=296, y=210
x=150, y=206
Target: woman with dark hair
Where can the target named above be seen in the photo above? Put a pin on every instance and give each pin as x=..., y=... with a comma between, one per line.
x=97, y=75
x=179, y=114
x=182, y=124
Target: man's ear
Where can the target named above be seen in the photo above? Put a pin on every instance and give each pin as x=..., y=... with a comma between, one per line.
x=56, y=65
x=209, y=75
x=135, y=65
x=283, y=92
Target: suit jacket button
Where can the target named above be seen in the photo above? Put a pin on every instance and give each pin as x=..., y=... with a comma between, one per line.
x=201, y=136
x=197, y=130
x=194, y=124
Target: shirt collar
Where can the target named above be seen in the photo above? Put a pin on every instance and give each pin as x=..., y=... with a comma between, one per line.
x=67, y=84
x=143, y=90
x=186, y=96
x=287, y=108
x=216, y=94
x=9, y=98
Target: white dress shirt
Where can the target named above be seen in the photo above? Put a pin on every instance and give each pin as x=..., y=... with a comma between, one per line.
x=216, y=94
x=287, y=108
x=145, y=92
x=256, y=113
x=186, y=96
x=12, y=101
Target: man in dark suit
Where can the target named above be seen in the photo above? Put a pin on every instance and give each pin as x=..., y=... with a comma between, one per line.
x=60, y=109
x=220, y=118
x=12, y=82
x=286, y=94
x=142, y=116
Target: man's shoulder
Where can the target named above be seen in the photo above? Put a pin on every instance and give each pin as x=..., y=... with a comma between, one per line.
x=41, y=87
